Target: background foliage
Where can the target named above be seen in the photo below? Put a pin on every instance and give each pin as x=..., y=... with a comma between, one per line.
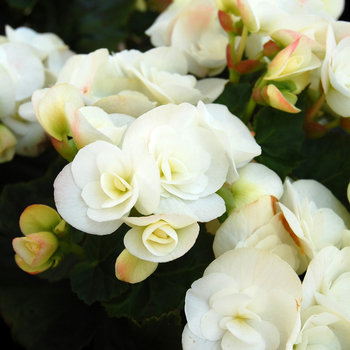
x=61, y=309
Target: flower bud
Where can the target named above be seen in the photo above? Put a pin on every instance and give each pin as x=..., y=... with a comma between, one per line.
x=8, y=142
x=34, y=251
x=41, y=226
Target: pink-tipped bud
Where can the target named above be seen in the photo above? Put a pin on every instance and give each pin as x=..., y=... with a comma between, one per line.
x=271, y=49
x=226, y=21
x=257, y=97
x=249, y=66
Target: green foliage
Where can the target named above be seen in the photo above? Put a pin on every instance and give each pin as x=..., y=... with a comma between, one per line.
x=280, y=136
x=95, y=279
x=328, y=161
x=235, y=97
x=46, y=316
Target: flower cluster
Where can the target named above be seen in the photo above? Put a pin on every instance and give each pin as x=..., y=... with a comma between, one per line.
x=152, y=142
x=260, y=250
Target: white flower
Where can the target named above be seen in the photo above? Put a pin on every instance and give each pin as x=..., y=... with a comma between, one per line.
x=335, y=72
x=163, y=75
x=239, y=144
x=98, y=188
x=323, y=327
x=313, y=216
x=191, y=162
x=327, y=281
x=257, y=225
x=160, y=238
x=193, y=27
x=47, y=46
x=247, y=299
x=21, y=72
x=255, y=180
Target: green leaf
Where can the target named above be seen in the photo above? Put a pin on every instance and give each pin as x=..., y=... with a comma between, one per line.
x=157, y=333
x=47, y=316
x=328, y=161
x=165, y=289
x=236, y=98
x=280, y=136
x=95, y=278
x=22, y=4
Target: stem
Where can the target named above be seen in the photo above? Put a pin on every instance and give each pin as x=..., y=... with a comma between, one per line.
x=77, y=250
x=249, y=111
x=242, y=43
x=332, y=124
x=310, y=114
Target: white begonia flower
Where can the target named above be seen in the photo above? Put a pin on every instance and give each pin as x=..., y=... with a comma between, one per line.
x=247, y=299
x=160, y=238
x=191, y=162
x=335, y=71
x=313, y=216
x=257, y=225
x=47, y=46
x=21, y=72
x=255, y=180
x=239, y=144
x=327, y=281
x=323, y=328
x=193, y=27
x=90, y=124
x=163, y=74
x=100, y=186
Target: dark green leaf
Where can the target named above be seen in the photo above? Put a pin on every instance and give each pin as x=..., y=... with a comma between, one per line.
x=280, y=136
x=165, y=289
x=157, y=333
x=95, y=278
x=236, y=98
x=328, y=161
x=47, y=316
x=22, y=4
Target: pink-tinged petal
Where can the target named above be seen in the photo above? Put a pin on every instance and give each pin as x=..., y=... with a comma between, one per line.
x=38, y=218
x=131, y=269
x=248, y=15
x=51, y=109
x=279, y=62
x=36, y=248
x=82, y=131
x=72, y=207
x=33, y=270
x=276, y=99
